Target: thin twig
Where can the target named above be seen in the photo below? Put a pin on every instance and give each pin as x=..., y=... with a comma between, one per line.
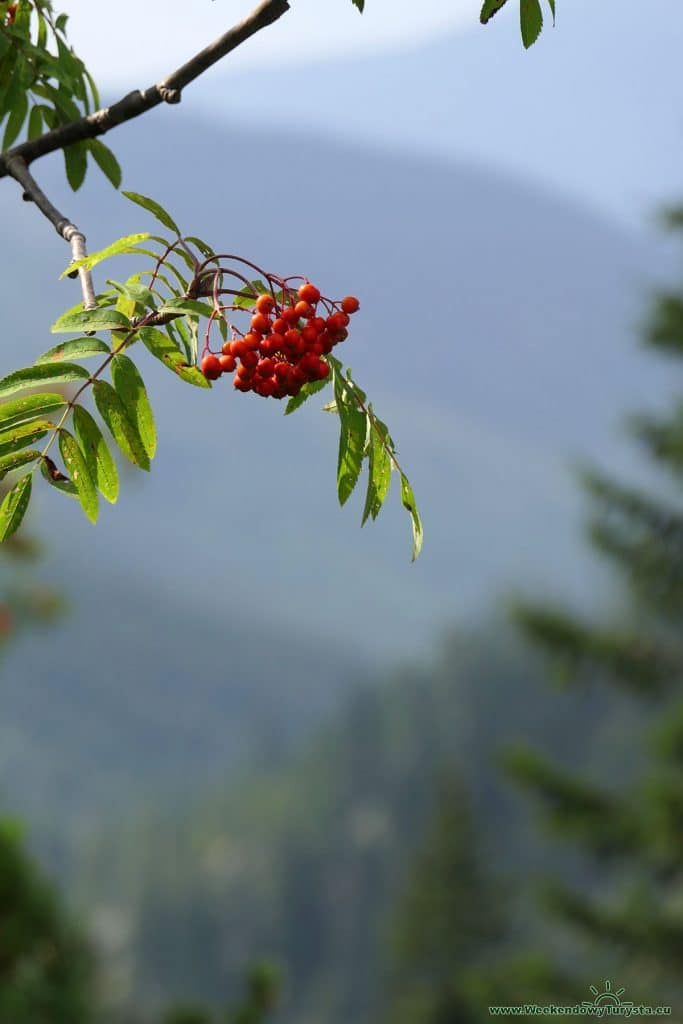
x=18, y=169
x=140, y=101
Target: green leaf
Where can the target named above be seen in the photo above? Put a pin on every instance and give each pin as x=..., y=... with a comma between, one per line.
x=155, y=209
x=89, y=320
x=13, y=508
x=379, y=469
x=182, y=305
x=352, y=438
x=247, y=296
x=106, y=161
x=531, y=21
x=77, y=468
x=35, y=123
x=35, y=376
x=113, y=412
x=23, y=435
x=8, y=463
x=551, y=5
x=22, y=409
x=15, y=121
x=311, y=388
x=138, y=293
x=164, y=349
x=56, y=478
x=99, y=459
x=408, y=499
x=360, y=4
x=122, y=246
x=76, y=164
x=131, y=390
x=204, y=249
x=77, y=348
x=489, y=8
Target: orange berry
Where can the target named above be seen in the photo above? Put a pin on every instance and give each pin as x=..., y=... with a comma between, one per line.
x=210, y=367
x=309, y=293
x=350, y=304
x=265, y=304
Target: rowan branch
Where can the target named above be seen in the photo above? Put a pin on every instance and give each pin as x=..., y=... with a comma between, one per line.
x=18, y=169
x=15, y=162
x=140, y=101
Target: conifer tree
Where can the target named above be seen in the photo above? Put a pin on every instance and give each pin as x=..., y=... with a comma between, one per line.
x=445, y=925
x=628, y=916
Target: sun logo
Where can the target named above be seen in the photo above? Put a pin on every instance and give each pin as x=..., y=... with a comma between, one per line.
x=608, y=997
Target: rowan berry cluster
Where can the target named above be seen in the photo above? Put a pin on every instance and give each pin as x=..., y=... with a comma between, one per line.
x=285, y=345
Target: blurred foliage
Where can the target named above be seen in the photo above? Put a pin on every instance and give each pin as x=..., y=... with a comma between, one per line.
x=629, y=917
x=305, y=863
x=262, y=990
x=449, y=922
x=46, y=969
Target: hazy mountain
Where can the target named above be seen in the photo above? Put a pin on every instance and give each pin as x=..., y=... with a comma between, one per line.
x=594, y=110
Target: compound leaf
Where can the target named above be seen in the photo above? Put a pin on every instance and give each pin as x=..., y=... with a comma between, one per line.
x=310, y=388
x=32, y=406
x=531, y=21
x=78, y=348
x=165, y=350
x=90, y=320
x=14, y=505
x=35, y=376
x=113, y=412
x=155, y=209
x=99, y=459
x=23, y=435
x=408, y=499
x=120, y=247
x=77, y=468
x=131, y=390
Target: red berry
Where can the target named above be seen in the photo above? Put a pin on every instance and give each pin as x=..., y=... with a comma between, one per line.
x=252, y=340
x=250, y=360
x=268, y=387
x=310, y=335
x=322, y=369
x=350, y=304
x=227, y=348
x=241, y=384
x=210, y=367
x=282, y=370
x=303, y=309
x=318, y=323
x=337, y=322
x=261, y=323
x=309, y=293
x=266, y=367
x=271, y=344
x=265, y=304
x=238, y=348
x=279, y=326
x=289, y=315
x=227, y=363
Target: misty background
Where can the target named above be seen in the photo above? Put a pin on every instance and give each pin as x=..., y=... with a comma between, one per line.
x=231, y=634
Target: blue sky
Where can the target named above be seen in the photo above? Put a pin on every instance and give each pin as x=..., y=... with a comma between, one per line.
x=594, y=110
x=312, y=30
